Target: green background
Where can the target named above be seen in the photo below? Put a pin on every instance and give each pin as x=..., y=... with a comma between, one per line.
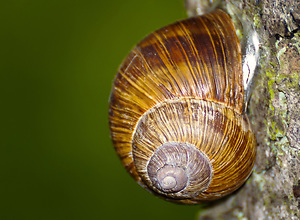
x=58, y=60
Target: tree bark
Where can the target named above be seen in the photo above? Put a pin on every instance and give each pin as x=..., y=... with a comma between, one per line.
x=273, y=190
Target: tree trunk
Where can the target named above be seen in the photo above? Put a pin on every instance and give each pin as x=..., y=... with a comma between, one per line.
x=273, y=190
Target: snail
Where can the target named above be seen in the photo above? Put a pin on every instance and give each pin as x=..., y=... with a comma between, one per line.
x=177, y=111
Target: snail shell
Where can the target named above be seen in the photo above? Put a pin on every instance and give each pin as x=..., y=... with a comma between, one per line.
x=176, y=111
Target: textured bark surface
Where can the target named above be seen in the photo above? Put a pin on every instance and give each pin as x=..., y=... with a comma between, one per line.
x=273, y=190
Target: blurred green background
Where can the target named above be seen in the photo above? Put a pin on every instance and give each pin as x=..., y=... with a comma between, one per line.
x=58, y=60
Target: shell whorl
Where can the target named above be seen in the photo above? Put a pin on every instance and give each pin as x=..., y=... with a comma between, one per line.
x=189, y=126
x=179, y=169
x=181, y=88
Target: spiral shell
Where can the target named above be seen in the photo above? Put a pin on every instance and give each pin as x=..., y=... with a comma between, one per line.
x=176, y=111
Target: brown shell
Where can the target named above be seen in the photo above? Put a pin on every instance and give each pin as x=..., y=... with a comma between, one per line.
x=183, y=83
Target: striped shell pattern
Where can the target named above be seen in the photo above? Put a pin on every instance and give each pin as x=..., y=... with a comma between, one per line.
x=176, y=111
